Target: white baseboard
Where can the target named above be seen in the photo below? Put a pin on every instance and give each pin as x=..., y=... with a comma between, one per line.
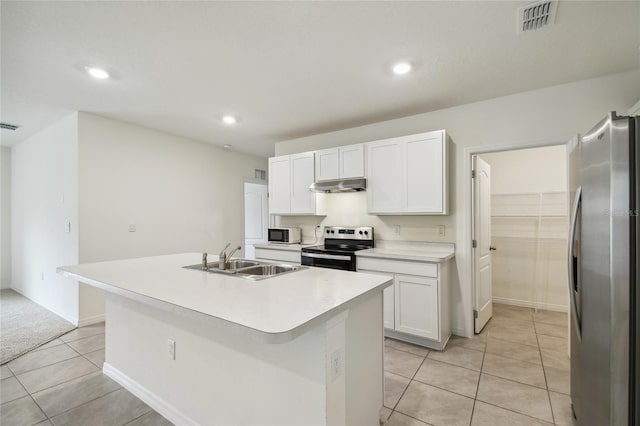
x=167, y=410
x=459, y=332
x=91, y=320
x=72, y=320
x=530, y=304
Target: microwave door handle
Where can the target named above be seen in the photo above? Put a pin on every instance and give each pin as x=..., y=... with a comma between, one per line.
x=572, y=278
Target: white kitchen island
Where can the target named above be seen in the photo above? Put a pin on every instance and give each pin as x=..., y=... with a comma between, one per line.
x=303, y=348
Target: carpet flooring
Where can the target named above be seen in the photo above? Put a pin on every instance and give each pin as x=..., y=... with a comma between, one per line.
x=25, y=325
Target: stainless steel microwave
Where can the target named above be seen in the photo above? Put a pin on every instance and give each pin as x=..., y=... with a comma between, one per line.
x=284, y=235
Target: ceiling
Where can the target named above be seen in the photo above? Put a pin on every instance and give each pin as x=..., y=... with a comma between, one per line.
x=290, y=69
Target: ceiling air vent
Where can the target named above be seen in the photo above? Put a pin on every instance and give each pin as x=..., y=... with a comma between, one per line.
x=8, y=126
x=537, y=15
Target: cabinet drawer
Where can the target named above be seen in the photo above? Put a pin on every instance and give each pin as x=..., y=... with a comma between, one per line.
x=398, y=266
x=278, y=255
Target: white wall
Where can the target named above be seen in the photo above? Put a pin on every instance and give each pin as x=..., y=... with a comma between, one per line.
x=182, y=195
x=44, y=196
x=552, y=114
x=5, y=217
x=529, y=267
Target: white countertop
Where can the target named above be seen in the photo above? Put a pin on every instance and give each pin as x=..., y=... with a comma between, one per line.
x=278, y=308
x=411, y=251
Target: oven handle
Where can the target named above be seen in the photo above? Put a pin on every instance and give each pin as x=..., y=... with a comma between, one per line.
x=326, y=256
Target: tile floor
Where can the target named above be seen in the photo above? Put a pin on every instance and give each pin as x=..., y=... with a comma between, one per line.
x=61, y=383
x=516, y=372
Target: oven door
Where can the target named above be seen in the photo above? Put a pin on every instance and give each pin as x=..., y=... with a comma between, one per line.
x=326, y=260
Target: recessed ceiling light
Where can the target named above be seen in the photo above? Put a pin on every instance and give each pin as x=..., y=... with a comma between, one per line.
x=402, y=68
x=98, y=73
x=229, y=119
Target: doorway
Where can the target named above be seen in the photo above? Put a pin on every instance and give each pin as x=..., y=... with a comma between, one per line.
x=520, y=223
x=256, y=216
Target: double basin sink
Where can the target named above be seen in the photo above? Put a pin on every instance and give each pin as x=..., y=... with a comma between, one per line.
x=248, y=269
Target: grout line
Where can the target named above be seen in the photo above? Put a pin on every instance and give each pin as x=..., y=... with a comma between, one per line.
x=85, y=403
x=475, y=397
x=553, y=417
x=43, y=366
x=34, y=400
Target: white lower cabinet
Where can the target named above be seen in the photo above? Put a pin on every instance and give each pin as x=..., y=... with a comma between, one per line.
x=278, y=255
x=416, y=306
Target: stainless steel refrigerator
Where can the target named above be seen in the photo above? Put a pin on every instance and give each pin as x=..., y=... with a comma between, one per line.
x=603, y=273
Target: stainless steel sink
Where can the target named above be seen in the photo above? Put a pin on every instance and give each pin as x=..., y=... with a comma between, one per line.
x=249, y=269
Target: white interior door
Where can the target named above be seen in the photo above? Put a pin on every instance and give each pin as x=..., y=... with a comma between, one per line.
x=256, y=217
x=482, y=242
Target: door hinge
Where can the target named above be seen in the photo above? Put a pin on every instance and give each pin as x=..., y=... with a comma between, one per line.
x=474, y=243
x=475, y=314
x=473, y=174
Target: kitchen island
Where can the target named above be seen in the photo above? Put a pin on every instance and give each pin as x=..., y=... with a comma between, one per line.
x=303, y=348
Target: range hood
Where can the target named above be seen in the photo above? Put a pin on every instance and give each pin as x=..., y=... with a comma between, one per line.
x=339, y=185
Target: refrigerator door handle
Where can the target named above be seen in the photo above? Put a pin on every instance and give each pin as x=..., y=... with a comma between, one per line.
x=572, y=277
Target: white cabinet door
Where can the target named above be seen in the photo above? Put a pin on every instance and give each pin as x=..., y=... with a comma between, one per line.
x=424, y=174
x=327, y=164
x=303, y=201
x=385, y=177
x=416, y=306
x=351, y=159
x=279, y=185
x=388, y=307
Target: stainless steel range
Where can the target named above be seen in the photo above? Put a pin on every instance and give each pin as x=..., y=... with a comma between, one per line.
x=340, y=245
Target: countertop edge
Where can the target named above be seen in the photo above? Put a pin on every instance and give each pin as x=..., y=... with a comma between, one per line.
x=408, y=258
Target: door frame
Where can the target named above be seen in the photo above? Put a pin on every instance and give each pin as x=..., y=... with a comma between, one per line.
x=242, y=186
x=467, y=208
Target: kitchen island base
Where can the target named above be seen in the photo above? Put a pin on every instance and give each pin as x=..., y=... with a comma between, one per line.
x=331, y=374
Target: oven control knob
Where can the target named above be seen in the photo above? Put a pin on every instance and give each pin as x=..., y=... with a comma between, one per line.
x=360, y=232
x=333, y=232
x=366, y=232
x=328, y=231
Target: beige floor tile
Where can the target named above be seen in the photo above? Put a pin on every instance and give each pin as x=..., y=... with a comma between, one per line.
x=82, y=332
x=551, y=317
x=51, y=344
x=5, y=372
x=490, y=415
x=21, y=411
x=561, y=405
x=384, y=415
x=68, y=395
x=462, y=357
x=518, y=397
x=435, y=406
x=407, y=347
x=38, y=359
x=97, y=357
x=558, y=380
x=512, y=312
x=449, y=377
x=401, y=363
x=11, y=389
x=514, y=350
x=88, y=344
x=475, y=343
x=555, y=359
x=505, y=322
x=399, y=419
x=150, y=419
x=560, y=344
x=513, y=335
x=45, y=423
x=394, y=386
x=52, y=375
x=119, y=407
x=552, y=330
x=519, y=371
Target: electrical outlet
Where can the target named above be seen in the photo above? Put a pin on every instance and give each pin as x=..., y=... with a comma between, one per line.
x=396, y=228
x=67, y=227
x=440, y=230
x=171, y=349
x=132, y=227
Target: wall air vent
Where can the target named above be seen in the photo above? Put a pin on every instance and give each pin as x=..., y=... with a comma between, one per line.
x=537, y=15
x=260, y=174
x=8, y=126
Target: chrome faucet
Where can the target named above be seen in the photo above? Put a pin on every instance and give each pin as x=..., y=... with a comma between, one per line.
x=223, y=258
x=204, y=260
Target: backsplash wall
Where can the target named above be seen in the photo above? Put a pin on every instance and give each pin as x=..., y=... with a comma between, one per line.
x=350, y=209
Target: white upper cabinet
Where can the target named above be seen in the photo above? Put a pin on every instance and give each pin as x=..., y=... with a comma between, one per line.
x=289, y=179
x=408, y=175
x=343, y=162
x=303, y=201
